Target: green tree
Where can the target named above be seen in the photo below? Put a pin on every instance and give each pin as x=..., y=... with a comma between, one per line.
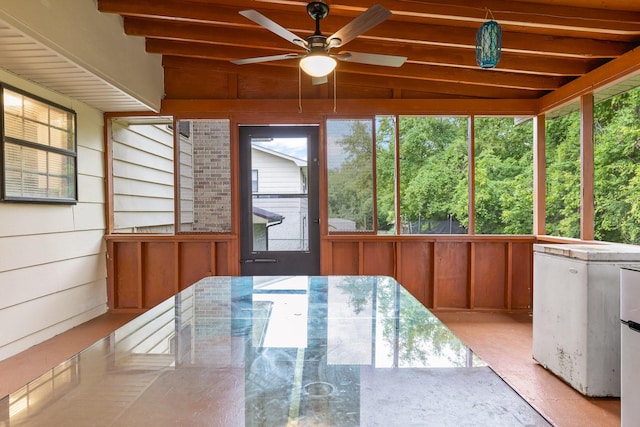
x=385, y=171
x=563, y=176
x=617, y=168
x=503, y=176
x=350, y=180
x=433, y=168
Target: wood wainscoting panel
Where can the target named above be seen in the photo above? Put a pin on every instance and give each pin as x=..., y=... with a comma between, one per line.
x=378, y=258
x=345, y=258
x=521, y=276
x=226, y=258
x=125, y=259
x=195, y=262
x=489, y=275
x=159, y=272
x=415, y=269
x=144, y=270
x=451, y=274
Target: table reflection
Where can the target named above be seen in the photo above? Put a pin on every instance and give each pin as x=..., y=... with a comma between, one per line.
x=275, y=351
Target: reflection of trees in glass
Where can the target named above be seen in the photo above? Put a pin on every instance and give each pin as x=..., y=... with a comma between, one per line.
x=350, y=178
x=423, y=339
x=359, y=291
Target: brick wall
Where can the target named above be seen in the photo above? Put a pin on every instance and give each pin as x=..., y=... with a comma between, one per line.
x=211, y=176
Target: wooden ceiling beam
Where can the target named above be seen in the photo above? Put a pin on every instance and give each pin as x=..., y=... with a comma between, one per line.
x=220, y=46
x=258, y=107
x=399, y=32
x=583, y=21
x=608, y=74
x=256, y=37
x=288, y=70
x=283, y=72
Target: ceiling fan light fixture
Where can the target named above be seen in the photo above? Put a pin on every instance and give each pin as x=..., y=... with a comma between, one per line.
x=488, y=44
x=318, y=65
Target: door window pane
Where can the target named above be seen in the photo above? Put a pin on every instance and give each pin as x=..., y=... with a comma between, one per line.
x=280, y=204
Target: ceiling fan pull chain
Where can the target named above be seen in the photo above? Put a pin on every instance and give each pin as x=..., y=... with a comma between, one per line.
x=299, y=91
x=335, y=88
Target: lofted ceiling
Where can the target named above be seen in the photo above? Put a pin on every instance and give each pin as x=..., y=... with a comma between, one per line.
x=545, y=45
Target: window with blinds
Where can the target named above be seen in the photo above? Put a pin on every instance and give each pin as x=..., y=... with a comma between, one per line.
x=39, y=149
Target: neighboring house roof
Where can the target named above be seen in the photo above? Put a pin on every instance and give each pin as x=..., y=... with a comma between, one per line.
x=297, y=161
x=269, y=217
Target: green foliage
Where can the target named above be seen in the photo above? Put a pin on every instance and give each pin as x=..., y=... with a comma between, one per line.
x=433, y=168
x=351, y=182
x=385, y=171
x=434, y=173
x=563, y=176
x=503, y=176
x=617, y=168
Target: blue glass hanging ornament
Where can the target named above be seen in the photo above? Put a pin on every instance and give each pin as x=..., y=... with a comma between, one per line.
x=488, y=44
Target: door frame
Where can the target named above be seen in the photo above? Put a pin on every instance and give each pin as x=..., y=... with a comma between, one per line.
x=279, y=262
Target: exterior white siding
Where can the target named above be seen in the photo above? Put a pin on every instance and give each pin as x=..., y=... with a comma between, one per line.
x=281, y=175
x=52, y=257
x=142, y=177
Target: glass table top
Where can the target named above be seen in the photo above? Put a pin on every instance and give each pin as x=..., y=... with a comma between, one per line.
x=275, y=351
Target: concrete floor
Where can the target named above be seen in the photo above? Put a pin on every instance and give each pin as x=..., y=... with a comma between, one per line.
x=502, y=340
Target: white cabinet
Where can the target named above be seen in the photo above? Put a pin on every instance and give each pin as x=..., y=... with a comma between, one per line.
x=576, y=313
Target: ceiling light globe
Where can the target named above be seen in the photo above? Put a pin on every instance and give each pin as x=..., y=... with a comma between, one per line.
x=317, y=65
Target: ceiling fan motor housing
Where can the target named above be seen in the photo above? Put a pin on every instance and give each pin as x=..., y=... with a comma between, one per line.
x=317, y=10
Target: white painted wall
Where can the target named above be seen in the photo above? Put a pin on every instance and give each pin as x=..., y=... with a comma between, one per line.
x=93, y=40
x=52, y=257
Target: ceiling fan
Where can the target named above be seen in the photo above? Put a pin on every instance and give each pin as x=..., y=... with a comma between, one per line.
x=318, y=60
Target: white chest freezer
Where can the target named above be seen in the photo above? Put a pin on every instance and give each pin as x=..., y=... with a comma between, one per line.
x=576, y=313
x=630, y=346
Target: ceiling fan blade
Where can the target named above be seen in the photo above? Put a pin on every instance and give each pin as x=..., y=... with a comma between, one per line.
x=266, y=58
x=371, y=58
x=274, y=27
x=371, y=17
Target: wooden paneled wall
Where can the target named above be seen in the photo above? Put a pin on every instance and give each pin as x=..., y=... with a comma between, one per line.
x=444, y=272
x=143, y=271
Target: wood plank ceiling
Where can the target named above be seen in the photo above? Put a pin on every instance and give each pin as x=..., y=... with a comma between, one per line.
x=545, y=45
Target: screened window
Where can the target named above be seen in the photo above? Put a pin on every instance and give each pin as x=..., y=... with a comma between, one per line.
x=350, y=175
x=434, y=166
x=503, y=175
x=617, y=168
x=143, y=175
x=563, y=175
x=38, y=149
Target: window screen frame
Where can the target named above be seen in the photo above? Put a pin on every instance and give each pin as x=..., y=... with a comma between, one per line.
x=69, y=154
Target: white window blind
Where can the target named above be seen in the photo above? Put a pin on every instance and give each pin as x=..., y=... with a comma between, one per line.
x=39, y=149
